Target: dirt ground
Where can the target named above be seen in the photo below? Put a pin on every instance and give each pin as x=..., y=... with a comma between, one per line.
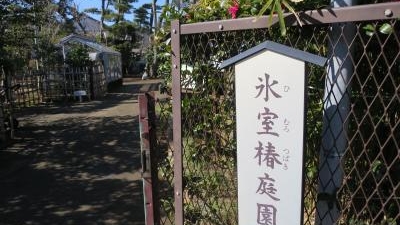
x=76, y=163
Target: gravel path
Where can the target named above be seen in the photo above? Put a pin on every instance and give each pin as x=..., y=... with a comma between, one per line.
x=76, y=164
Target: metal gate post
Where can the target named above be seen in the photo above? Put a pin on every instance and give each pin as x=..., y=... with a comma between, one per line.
x=177, y=122
x=149, y=158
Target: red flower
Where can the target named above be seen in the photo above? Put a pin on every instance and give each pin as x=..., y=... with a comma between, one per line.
x=234, y=9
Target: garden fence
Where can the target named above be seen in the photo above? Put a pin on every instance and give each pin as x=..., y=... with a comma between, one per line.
x=54, y=84
x=357, y=141
x=33, y=88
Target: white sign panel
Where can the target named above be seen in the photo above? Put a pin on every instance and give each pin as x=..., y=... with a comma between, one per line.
x=270, y=130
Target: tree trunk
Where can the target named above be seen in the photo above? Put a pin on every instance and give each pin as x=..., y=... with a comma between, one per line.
x=103, y=9
x=153, y=69
x=154, y=15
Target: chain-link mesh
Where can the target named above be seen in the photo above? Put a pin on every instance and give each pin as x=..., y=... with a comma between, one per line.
x=208, y=125
x=208, y=120
x=165, y=160
x=369, y=162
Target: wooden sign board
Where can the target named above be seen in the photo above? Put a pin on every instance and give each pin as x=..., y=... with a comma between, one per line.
x=270, y=117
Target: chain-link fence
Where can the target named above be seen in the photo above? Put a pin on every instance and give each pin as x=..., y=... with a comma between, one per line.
x=352, y=163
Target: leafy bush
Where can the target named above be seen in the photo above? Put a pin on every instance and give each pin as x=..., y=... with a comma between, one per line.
x=78, y=56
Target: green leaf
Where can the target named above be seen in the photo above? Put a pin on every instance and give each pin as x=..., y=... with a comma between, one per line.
x=92, y=10
x=386, y=28
x=253, y=11
x=271, y=16
x=291, y=9
x=265, y=7
x=375, y=165
x=282, y=24
x=369, y=29
x=369, y=33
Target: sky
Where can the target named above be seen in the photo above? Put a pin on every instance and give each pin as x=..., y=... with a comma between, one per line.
x=84, y=4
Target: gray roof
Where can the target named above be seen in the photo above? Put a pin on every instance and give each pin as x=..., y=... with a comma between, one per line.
x=86, y=41
x=278, y=48
x=88, y=23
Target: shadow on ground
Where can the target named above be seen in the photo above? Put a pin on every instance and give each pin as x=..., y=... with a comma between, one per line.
x=73, y=165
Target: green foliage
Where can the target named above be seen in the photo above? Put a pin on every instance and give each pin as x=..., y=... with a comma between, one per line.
x=142, y=17
x=47, y=53
x=205, y=10
x=78, y=56
x=14, y=46
x=122, y=34
x=208, y=122
x=29, y=29
x=112, y=10
x=123, y=39
x=384, y=28
x=123, y=31
x=369, y=164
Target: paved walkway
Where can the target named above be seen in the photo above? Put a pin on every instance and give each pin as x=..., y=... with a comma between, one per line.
x=76, y=164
